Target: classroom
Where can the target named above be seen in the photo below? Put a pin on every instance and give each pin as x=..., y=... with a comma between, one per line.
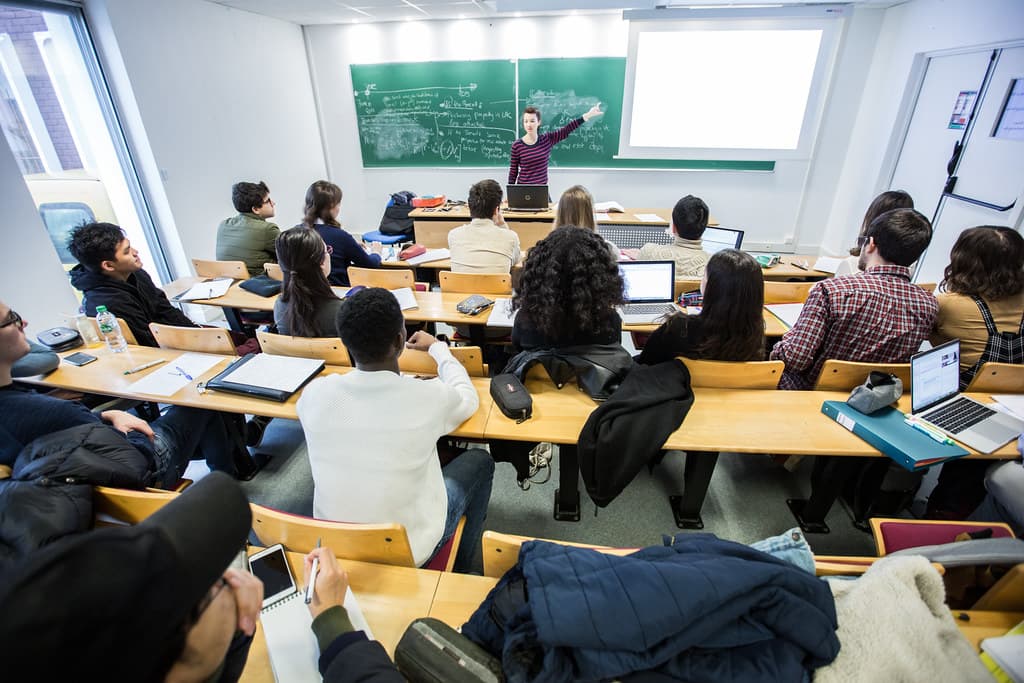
x=145, y=113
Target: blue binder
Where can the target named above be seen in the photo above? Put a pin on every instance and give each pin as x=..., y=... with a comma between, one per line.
x=886, y=431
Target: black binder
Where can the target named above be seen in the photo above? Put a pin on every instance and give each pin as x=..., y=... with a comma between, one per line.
x=222, y=382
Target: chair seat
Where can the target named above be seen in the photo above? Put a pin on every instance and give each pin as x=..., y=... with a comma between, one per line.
x=378, y=236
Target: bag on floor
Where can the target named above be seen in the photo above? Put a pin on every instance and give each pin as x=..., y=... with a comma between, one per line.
x=431, y=651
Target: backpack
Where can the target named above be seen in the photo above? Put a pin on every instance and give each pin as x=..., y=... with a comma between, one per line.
x=396, y=219
x=1001, y=347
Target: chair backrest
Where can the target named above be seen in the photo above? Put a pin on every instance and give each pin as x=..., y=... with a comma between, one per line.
x=998, y=378
x=501, y=551
x=896, y=534
x=127, y=506
x=421, y=362
x=388, y=278
x=198, y=339
x=380, y=543
x=786, y=292
x=844, y=375
x=684, y=286
x=475, y=283
x=126, y=331
x=273, y=271
x=235, y=270
x=717, y=374
x=330, y=349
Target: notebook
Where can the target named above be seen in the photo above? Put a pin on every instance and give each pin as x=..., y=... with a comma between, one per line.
x=650, y=290
x=265, y=375
x=208, y=289
x=936, y=399
x=527, y=197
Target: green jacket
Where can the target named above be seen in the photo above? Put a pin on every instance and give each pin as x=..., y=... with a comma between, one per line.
x=247, y=237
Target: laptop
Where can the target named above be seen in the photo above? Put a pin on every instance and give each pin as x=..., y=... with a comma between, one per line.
x=650, y=291
x=716, y=239
x=936, y=399
x=528, y=198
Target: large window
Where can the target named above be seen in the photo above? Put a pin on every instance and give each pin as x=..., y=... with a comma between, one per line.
x=58, y=119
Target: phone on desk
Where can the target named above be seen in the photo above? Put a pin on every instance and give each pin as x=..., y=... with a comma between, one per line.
x=79, y=359
x=271, y=567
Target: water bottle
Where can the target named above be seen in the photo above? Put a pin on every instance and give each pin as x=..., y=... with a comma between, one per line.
x=86, y=329
x=110, y=330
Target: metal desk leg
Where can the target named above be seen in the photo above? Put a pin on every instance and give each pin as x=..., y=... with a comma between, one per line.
x=234, y=318
x=827, y=481
x=478, y=335
x=700, y=465
x=567, y=495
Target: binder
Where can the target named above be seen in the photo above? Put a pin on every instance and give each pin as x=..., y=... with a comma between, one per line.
x=886, y=431
x=265, y=375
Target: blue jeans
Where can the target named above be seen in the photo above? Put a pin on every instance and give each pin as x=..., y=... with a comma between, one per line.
x=790, y=546
x=468, y=480
x=184, y=434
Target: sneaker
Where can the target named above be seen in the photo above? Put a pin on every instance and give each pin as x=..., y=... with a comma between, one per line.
x=255, y=429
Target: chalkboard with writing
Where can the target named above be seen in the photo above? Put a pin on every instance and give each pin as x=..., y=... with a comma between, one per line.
x=435, y=113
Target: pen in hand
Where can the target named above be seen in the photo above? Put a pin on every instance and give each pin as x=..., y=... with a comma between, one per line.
x=312, y=576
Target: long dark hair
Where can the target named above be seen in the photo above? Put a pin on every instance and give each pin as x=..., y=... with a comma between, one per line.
x=321, y=197
x=986, y=261
x=887, y=201
x=570, y=284
x=732, y=322
x=300, y=251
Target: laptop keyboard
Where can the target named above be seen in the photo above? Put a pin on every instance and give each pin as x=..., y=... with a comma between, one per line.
x=958, y=415
x=648, y=309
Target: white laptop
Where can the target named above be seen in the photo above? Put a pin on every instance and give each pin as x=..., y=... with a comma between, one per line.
x=936, y=399
x=650, y=291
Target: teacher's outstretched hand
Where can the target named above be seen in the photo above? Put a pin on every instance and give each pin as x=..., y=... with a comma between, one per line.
x=593, y=112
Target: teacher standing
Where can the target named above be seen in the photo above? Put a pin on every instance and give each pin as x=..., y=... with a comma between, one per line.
x=528, y=164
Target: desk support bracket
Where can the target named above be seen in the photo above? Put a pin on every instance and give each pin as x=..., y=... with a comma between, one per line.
x=699, y=467
x=567, y=495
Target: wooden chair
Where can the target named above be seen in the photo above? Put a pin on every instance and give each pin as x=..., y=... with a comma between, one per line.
x=273, y=271
x=235, y=270
x=1006, y=595
x=786, y=292
x=199, y=339
x=844, y=375
x=998, y=378
x=330, y=349
x=379, y=543
x=898, y=534
x=113, y=506
x=684, y=286
x=388, y=278
x=421, y=362
x=716, y=374
x=475, y=283
x=126, y=331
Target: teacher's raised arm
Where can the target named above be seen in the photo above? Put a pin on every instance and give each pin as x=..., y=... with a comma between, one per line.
x=528, y=162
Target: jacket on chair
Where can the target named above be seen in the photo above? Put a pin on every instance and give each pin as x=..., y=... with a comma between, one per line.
x=598, y=368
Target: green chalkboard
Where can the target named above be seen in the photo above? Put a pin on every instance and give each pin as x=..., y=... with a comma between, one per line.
x=435, y=113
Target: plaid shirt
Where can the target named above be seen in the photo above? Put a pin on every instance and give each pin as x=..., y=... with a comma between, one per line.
x=876, y=316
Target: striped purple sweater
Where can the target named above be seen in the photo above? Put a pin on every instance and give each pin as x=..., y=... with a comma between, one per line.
x=529, y=163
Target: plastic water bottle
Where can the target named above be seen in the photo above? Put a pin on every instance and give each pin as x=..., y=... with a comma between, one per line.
x=110, y=330
x=86, y=329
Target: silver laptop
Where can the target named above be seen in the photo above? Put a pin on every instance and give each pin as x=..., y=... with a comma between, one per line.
x=528, y=197
x=936, y=399
x=650, y=290
x=715, y=240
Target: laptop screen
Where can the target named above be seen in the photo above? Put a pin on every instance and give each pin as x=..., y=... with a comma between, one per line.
x=934, y=375
x=715, y=239
x=648, y=281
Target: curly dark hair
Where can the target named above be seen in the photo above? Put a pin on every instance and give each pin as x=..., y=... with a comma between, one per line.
x=733, y=322
x=249, y=196
x=300, y=251
x=570, y=283
x=321, y=197
x=368, y=323
x=986, y=261
x=94, y=243
x=887, y=201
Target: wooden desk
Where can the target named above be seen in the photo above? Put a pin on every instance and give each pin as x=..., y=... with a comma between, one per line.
x=458, y=596
x=785, y=270
x=980, y=625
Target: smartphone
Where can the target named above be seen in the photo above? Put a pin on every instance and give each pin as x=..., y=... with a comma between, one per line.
x=79, y=359
x=271, y=567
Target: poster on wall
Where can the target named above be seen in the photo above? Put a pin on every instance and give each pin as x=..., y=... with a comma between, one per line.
x=1011, y=120
x=962, y=109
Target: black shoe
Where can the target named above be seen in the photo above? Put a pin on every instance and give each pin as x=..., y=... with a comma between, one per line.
x=255, y=429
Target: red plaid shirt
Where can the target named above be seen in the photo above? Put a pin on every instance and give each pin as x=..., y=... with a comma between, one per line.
x=877, y=316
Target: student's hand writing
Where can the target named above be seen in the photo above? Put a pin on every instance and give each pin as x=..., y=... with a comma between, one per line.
x=376, y=247
x=126, y=422
x=248, y=592
x=331, y=581
x=420, y=341
x=594, y=111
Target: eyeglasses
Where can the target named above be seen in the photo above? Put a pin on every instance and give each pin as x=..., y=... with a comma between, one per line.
x=268, y=200
x=12, y=319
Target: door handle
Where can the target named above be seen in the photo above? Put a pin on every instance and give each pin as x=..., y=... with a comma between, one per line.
x=976, y=202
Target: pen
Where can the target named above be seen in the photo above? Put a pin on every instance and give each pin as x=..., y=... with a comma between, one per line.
x=799, y=265
x=144, y=366
x=184, y=374
x=924, y=429
x=312, y=576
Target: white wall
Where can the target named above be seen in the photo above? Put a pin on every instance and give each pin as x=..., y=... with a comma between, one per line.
x=223, y=95
x=909, y=29
x=772, y=207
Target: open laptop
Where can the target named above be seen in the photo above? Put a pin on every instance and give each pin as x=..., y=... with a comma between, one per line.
x=650, y=290
x=528, y=197
x=716, y=239
x=936, y=399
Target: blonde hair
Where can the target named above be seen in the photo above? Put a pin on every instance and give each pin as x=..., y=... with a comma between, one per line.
x=576, y=207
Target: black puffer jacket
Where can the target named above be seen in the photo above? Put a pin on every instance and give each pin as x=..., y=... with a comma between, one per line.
x=598, y=368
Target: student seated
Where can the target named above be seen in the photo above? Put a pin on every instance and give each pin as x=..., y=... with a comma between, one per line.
x=689, y=220
x=486, y=244
x=576, y=207
x=876, y=316
x=372, y=435
x=1004, y=502
x=249, y=236
x=307, y=307
x=109, y=273
x=730, y=325
x=178, y=436
x=887, y=201
x=159, y=601
x=323, y=203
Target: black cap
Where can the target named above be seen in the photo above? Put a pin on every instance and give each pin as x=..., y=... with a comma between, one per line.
x=111, y=604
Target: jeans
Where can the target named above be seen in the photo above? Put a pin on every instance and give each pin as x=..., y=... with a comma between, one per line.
x=184, y=434
x=790, y=546
x=468, y=480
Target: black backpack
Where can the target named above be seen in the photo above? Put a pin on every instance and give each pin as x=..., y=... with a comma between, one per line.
x=396, y=219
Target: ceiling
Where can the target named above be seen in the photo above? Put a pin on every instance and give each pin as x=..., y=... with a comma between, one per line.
x=351, y=11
